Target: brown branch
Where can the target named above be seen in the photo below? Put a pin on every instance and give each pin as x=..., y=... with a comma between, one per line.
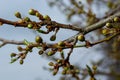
x=104, y=40
x=70, y=52
x=45, y=22
x=100, y=24
x=86, y=30
x=95, y=26
x=107, y=39
x=4, y=21
x=64, y=26
x=5, y=41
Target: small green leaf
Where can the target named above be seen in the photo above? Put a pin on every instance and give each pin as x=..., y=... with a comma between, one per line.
x=13, y=60
x=13, y=55
x=26, y=42
x=41, y=31
x=89, y=70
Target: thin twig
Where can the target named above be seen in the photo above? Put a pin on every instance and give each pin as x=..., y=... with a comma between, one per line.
x=104, y=40
x=5, y=41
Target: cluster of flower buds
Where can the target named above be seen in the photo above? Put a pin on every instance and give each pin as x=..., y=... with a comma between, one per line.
x=21, y=56
x=23, y=51
x=70, y=70
x=66, y=66
x=37, y=25
x=44, y=48
x=112, y=26
x=44, y=22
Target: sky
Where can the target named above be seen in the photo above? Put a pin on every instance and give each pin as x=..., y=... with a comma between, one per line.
x=32, y=69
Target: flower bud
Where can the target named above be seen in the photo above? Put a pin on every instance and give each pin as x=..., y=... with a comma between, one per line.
x=21, y=61
x=105, y=31
x=66, y=68
x=28, y=48
x=32, y=12
x=38, y=39
x=13, y=54
x=59, y=61
x=30, y=25
x=40, y=16
x=46, y=17
x=50, y=53
x=81, y=37
x=53, y=38
x=51, y=64
x=61, y=43
x=18, y=15
x=37, y=14
x=94, y=67
x=19, y=48
x=116, y=19
x=108, y=25
x=41, y=52
x=27, y=19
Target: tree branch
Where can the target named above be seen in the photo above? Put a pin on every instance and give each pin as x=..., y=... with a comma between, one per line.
x=85, y=30
x=45, y=22
x=93, y=27
x=5, y=41
x=99, y=24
